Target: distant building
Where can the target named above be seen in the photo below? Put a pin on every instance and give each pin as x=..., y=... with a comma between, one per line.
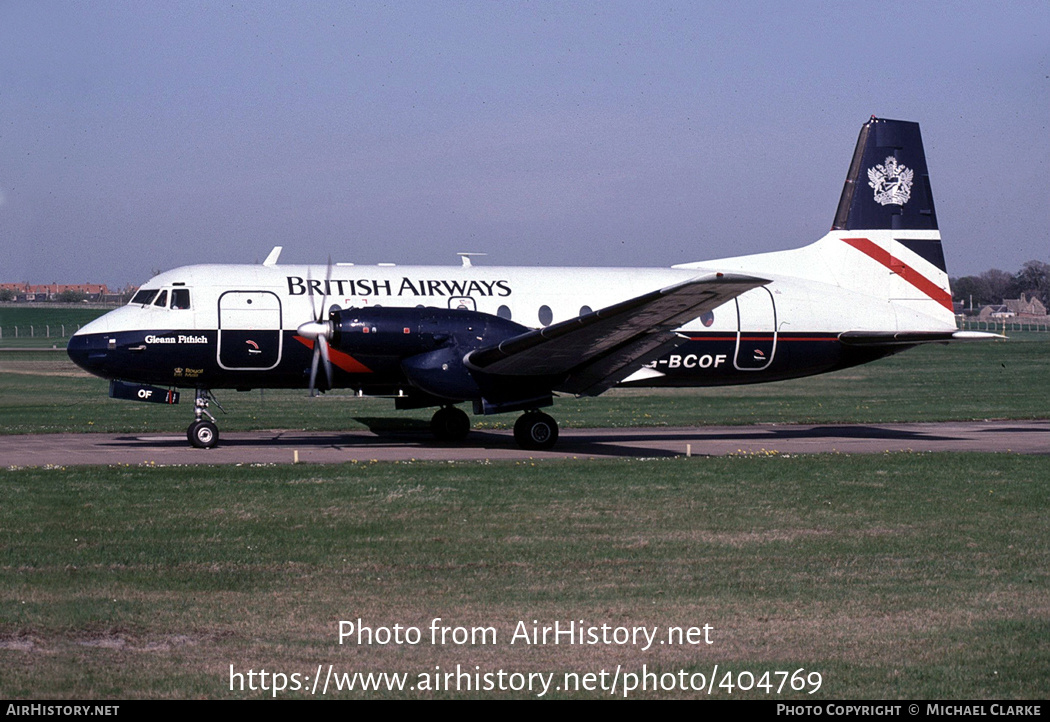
x=1014, y=308
x=51, y=292
x=1026, y=306
x=119, y=295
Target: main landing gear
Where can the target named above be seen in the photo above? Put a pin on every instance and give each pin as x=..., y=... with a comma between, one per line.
x=450, y=424
x=203, y=434
x=534, y=430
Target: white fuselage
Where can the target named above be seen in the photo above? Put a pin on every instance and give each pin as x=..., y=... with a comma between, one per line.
x=813, y=294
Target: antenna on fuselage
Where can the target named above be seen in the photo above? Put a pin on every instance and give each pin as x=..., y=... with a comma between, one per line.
x=271, y=260
x=465, y=257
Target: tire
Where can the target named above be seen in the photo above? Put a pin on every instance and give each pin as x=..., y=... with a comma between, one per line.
x=450, y=424
x=203, y=434
x=536, y=431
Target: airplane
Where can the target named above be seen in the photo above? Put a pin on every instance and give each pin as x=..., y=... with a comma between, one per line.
x=508, y=339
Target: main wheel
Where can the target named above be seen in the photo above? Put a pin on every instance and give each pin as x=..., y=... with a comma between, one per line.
x=450, y=424
x=203, y=434
x=536, y=430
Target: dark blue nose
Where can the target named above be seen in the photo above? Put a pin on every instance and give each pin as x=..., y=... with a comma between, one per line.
x=91, y=352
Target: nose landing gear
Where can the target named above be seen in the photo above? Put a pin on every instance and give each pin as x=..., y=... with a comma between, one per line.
x=203, y=434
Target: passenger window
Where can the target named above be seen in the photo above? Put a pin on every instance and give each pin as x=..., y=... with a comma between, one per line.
x=144, y=296
x=584, y=310
x=180, y=298
x=503, y=312
x=546, y=315
x=162, y=299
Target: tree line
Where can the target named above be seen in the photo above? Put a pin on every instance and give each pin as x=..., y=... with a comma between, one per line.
x=994, y=285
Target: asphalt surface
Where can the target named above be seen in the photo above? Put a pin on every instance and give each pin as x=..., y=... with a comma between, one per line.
x=284, y=447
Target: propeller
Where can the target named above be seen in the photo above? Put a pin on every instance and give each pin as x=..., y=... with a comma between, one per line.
x=319, y=332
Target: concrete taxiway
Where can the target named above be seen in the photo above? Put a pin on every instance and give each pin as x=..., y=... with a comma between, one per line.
x=283, y=447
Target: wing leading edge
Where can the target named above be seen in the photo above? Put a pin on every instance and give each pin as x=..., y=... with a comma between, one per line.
x=595, y=351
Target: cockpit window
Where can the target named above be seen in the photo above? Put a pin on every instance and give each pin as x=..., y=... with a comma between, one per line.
x=145, y=296
x=180, y=298
x=162, y=299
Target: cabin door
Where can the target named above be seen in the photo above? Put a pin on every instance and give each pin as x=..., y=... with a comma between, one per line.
x=756, y=338
x=250, y=336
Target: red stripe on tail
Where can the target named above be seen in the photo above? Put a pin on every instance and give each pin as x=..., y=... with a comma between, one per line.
x=902, y=269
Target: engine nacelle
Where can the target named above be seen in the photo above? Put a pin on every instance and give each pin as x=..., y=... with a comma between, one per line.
x=429, y=344
x=441, y=373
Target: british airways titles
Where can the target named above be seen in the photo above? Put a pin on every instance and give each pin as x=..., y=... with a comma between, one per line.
x=297, y=286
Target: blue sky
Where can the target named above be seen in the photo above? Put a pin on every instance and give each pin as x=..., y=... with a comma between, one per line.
x=147, y=135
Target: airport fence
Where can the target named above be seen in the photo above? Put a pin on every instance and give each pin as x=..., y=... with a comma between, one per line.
x=1004, y=325
x=37, y=331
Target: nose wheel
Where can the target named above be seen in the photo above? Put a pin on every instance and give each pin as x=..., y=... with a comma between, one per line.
x=203, y=434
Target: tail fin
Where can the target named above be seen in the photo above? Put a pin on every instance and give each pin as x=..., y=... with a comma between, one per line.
x=894, y=190
x=888, y=188
x=886, y=215
x=887, y=219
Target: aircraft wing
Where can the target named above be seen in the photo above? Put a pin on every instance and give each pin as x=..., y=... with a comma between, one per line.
x=595, y=351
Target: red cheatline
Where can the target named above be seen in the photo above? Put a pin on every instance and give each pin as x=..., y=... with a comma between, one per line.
x=339, y=358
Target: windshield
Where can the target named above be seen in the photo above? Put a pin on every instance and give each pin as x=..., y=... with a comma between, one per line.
x=144, y=296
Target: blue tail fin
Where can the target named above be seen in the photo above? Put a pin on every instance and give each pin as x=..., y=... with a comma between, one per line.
x=888, y=186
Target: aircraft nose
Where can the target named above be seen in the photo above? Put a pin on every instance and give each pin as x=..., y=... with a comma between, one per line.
x=92, y=347
x=90, y=352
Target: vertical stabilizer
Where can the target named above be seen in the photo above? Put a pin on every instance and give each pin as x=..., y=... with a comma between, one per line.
x=887, y=221
x=888, y=186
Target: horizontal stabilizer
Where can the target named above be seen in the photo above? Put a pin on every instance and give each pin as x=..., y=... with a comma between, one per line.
x=595, y=351
x=912, y=338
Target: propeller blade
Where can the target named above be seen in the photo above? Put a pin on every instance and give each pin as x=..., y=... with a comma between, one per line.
x=322, y=345
x=319, y=331
x=313, y=370
x=327, y=289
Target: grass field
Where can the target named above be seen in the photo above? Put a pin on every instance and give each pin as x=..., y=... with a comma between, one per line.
x=893, y=576
x=43, y=325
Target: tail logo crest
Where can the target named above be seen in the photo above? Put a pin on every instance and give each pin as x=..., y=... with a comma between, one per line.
x=891, y=181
